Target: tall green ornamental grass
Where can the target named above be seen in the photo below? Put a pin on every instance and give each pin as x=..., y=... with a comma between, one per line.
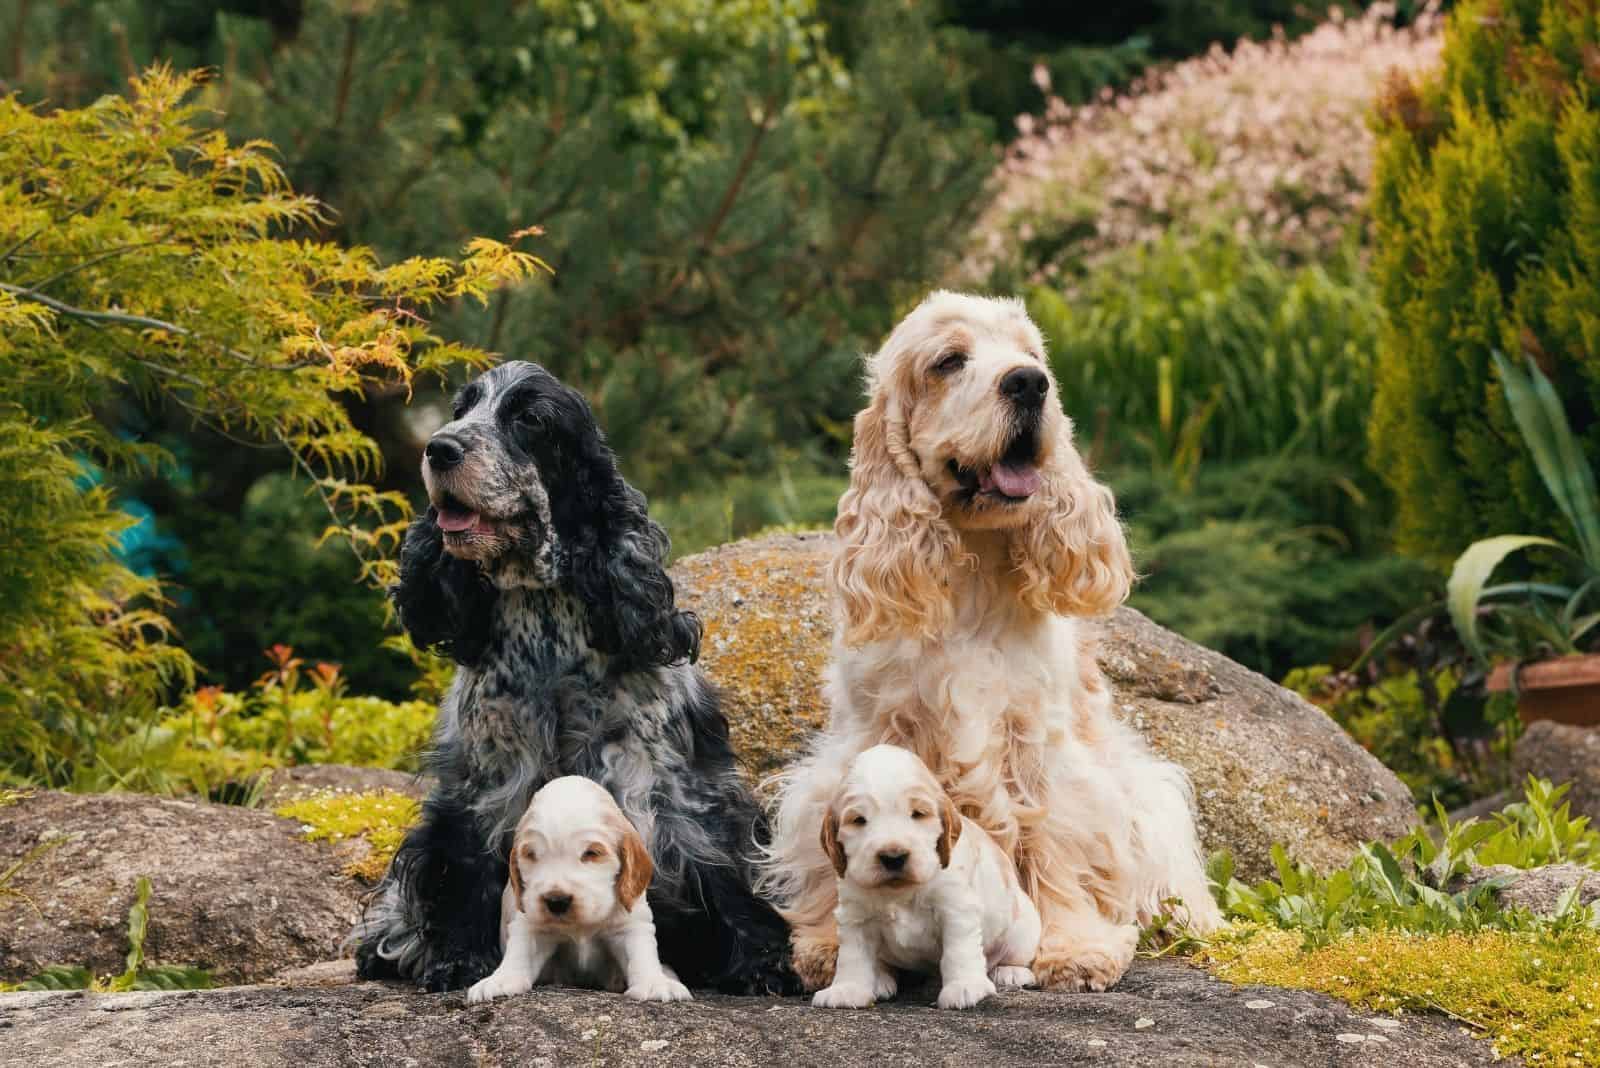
x=1212, y=350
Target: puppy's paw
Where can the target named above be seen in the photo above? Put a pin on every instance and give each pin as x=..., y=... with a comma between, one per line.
x=884, y=985
x=664, y=988
x=1093, y=965
x=497, y=985
x=965, y=993
x=1011, y=977
x=814, y=959
x=844, y=996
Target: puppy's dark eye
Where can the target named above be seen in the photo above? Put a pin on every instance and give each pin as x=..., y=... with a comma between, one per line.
x=592, y=854
x=950, y=363
x=919, y=814
x=858, y=821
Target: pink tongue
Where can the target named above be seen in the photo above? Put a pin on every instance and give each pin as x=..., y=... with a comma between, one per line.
x=455, y=522
x=1019, y=481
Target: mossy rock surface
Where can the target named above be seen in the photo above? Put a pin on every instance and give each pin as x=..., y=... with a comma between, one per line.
x=233, y=890
x=1163, y=1013
x=1266, y=765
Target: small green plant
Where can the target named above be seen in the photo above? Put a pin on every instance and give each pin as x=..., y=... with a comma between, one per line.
x=137, y=975
x=1394, y=930
x=378, y=817
x=1411, y=885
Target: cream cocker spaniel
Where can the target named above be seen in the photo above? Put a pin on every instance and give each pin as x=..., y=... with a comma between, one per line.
x=919, y=885
x=974, y=543
x=574, y=909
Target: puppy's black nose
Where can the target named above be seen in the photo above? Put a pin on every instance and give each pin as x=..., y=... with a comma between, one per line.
x=1025, y=386
x=892, y=861
x=558, y=904
x=443, y=452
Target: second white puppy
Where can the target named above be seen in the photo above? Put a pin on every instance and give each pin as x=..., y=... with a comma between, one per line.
x=919, y=885
x=574, y=909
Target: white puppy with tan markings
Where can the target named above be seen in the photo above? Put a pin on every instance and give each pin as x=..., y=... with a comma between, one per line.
x=920, y=885
x=574, y=909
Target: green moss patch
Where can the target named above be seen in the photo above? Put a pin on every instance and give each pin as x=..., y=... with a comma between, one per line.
x=1532, y=994
x=380, y=818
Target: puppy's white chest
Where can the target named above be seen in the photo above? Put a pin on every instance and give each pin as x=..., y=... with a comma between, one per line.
x=908, y=935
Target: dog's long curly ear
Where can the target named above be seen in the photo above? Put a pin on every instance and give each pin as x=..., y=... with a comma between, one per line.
x=633, y=877
x=830, y=841
x=1074, y=559
x=618, y=573
x=949, y=829
x=891, y=573
x=443, y=603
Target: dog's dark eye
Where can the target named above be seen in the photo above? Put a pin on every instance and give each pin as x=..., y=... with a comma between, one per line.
x=465, y=401
x=950, y=363
x=592, y=854
x=919, y=814
x=858, y=821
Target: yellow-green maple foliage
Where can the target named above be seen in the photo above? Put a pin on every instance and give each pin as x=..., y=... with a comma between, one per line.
x=144, y=259
x=1487, y=203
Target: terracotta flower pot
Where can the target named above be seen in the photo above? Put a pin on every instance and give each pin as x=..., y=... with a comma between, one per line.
x=1566, y=689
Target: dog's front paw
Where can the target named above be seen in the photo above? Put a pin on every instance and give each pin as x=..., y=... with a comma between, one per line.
x=454, y=975
x=663, y=988
x=498, y=985
x=844, y=996
x=884, y=984
x=815, y=957
x=965, y=993
x=1087, y=965
x=1011, y=977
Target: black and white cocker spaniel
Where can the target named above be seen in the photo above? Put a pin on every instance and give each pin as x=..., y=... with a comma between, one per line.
x=538, y=570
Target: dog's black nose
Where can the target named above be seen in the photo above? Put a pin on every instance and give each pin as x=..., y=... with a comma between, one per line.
x=892, y=861
x=558, y=904
x=443, y=452
x=1025, y=386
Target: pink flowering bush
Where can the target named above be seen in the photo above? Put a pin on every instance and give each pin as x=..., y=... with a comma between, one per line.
x=1269, y=141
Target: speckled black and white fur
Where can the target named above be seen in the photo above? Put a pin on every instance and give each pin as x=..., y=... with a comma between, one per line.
x=573, y=660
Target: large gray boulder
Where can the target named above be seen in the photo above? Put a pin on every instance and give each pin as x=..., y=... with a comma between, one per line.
x=235, y=890
x=1266, y=765
x=1164, y=1012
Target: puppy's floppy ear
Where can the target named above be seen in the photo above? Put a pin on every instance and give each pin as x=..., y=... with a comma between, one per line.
x=1073, y=560
x=637, y=869
x=949, y=828
x=830, y=841
x=617, y=571
x=443, y=603
x=891, y=572
x=516, y=875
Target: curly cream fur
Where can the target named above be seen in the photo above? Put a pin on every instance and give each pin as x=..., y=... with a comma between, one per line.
x=961, y=638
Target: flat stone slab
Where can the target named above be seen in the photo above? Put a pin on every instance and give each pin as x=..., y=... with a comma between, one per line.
x=1163, y=1013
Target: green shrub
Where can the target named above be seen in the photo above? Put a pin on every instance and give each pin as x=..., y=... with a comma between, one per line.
x=215, y=740
x=1275, y=562
x=143, y=264
x=1487, y=205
